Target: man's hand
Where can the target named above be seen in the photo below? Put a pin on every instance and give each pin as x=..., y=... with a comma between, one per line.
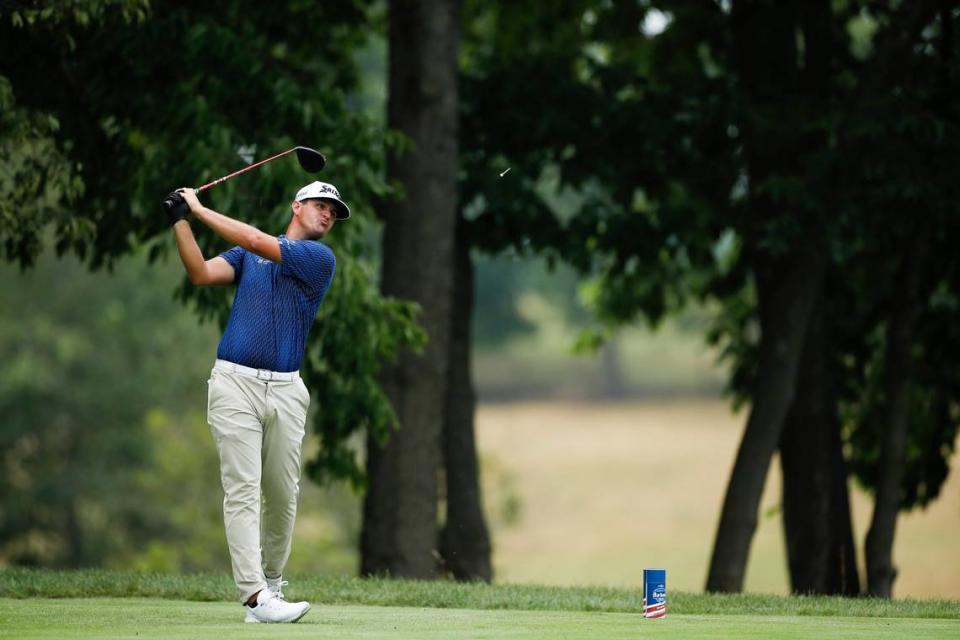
x=176, y=207
x=190, y=197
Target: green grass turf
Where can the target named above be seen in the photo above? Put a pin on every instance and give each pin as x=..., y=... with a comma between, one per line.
x=23, y=583
x=105, y=604
x=155, y=618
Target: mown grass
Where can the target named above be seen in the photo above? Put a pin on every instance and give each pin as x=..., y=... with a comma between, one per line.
x=149, y=618
x=24, y=583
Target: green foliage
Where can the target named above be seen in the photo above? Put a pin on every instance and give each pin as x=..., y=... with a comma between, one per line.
x=71, y=12
x=37, y=183
x=86, y=362
x=693, y=181
x=613, y=141
x=40, y=183
x=502, y=282
x=178, y=489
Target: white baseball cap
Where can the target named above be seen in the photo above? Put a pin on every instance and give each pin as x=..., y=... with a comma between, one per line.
x=326, y=191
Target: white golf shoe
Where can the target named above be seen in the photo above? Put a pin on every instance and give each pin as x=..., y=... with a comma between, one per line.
x=271, y=607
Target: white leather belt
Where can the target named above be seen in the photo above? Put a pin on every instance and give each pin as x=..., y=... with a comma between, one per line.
x=259, y=374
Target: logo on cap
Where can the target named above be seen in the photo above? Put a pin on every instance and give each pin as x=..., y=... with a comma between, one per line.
x=314, y=190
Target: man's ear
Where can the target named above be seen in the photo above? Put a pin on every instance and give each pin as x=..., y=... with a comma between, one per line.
x=295, y=207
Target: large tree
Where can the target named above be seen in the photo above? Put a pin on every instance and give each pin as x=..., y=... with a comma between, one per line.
x=399, y=535
x=879, y=284
x=747, y=154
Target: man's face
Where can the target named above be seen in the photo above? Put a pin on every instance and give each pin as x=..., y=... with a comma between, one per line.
x=317, y=216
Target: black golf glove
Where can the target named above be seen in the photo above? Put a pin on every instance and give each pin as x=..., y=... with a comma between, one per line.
x=176, y=207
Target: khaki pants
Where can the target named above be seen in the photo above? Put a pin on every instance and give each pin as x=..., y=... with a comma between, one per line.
x=258, y=427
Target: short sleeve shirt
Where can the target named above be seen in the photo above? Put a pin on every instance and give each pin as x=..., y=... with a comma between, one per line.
x=275, y=304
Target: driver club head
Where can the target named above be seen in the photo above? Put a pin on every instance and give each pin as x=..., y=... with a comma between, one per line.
x=311, y=160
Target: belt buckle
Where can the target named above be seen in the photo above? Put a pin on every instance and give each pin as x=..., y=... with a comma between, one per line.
x=264, y=374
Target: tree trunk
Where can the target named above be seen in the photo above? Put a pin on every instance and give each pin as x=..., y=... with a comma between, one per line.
x=768, y=64
x=816, y=507
x=785, y=296
x=464, y=540
x=399, y=535
x=899, y=373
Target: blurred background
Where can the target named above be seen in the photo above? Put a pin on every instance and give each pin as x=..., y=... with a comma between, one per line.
x=718, y=280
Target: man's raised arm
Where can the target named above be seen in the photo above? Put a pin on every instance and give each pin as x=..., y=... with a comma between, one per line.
x=234, y=231
x=200, y=271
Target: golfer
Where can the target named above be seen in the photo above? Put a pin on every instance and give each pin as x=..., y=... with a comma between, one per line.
x=257, y=403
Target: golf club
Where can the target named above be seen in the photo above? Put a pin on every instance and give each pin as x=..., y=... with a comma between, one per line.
x=311, y=160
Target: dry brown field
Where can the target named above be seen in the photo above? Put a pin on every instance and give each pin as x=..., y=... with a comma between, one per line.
x=593, y=493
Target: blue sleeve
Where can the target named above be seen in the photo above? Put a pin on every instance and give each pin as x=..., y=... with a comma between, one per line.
x=310, y=262
x=234, y=256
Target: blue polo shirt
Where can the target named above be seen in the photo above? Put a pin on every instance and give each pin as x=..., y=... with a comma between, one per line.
x=275, y=304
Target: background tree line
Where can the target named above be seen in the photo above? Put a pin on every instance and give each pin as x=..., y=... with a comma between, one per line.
x=762, y=155
x=786, y=161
